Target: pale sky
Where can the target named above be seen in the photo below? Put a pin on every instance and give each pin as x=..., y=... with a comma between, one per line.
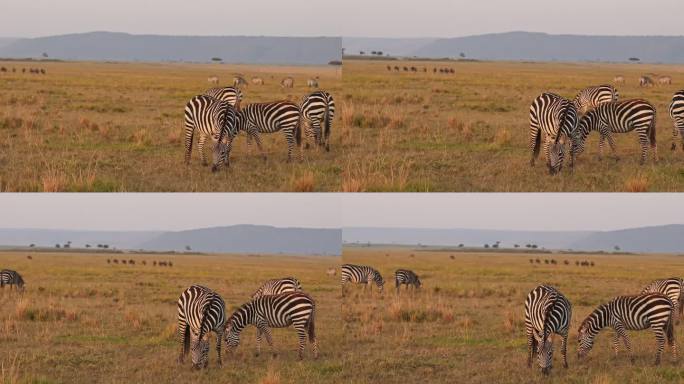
x=166, y=211
x=514, y=211
x=361, y=18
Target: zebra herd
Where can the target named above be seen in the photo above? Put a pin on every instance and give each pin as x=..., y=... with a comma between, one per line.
x=548, y=312
x=363, y=274
x=218, y=114
x=278, y=303
x=557, y=120
x=11, y=278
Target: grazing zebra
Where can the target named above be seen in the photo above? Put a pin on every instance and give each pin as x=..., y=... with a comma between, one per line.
x=619, y=117
x=547, y=312
x=665, y=80
x=295, y=309
x=405, y=276
x=287, y=82
x=213, y=79
x=619, y=79
x=200, y=311
x=258, y=118
x=312, y=83
x=10, y=277
x=277, y=286
x=361, y=274
x=318, y=111
x=232, y=95
x=673, y=288
x=651, y=310
x=677, y=115
x=331, y=272
x=591, y=97
x=238, y=81
x=551, y=116
x=213, y=118
x=257, y=81
x=645, y=81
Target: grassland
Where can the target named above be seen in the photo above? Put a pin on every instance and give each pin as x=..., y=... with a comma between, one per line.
x=118, y=127
x=81, y=320
x=466, y=325
x=469, y=131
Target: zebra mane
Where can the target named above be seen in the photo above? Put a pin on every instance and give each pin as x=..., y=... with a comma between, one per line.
x=562, y=120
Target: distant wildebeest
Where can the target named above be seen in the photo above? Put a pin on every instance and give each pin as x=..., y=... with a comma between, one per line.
x=406, y=69
x=3, y=69
x=29, y=257
x=144, y=262
x=424, y=69
x=414, y=69
x=23, y=70
x=619, y=79
x=109, y=261
x=312, y=83
x=645, y=81
x=389, y=68
x=287, y=82
x=115, y=261
x=434, y=70
x=213, y=79
x=566, y=262
x=591, y=263
x=554, y=262
x=412, y=255
x=452, y=257
x=239, y=81
x=531, y=261
x=14, y=70
x=331, y=272
x=42, y=71
x=452, y=71
x=584, y=263
x=396, y=68
x=665, y=80
x=257, y=81
x=154, y=263
x=538, y=261
x=577, y=262
x=170, y=264
x=546, y=261
x=131, y=262
x=123, y=261
x=162, y=263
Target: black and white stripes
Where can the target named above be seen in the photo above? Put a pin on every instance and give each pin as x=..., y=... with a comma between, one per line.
x=318, y=111
x=278, y=286
x=407, y=277
x=259, y=118
x=644, y=311
x=200, y=311
x=360, y=274
x=547, y=312
x=673, y=288
x=231, y=95
x=11, y=278
x=677, y=115
x=210, y=118
x=552, y=118
x=591, y=97
x=295, y=309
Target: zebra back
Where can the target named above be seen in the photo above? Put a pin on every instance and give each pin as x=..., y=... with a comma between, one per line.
x=231, y=95
x=278, y=286
x=591, y=97
x=361, y=274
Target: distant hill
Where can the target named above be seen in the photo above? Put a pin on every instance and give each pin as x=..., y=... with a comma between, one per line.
x=112, y=46
x=231, y=239
x=530, y=46
x=658, y=239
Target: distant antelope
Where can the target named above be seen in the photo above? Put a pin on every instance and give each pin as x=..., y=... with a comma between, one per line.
x=257, y=81
x=619, y=79
x=312, y=83
x=115, y=261
x=389, y=68
x=29, y=257
x=396, y=68
x=42, y=71
x=665, y=80
x=213, y=79
x=239, y=81
x=131, y=262
x=645, y=81
x=452, y=71
x=566, y=262
x=287, y=82
x=406, y=69
x=331, y=272
x=3, y=69
x=123, y=261
x=414, y=69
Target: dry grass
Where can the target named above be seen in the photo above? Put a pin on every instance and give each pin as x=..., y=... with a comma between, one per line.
x=466, y=323
x=637, y=184
x=469, y=131
x=130, y=116
x=82, y=320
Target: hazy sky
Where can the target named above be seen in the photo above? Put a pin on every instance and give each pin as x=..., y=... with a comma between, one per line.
x=166, y=211
x=375, y=18
x=547, y=211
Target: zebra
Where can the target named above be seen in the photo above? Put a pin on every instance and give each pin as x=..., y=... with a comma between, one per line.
x=677, y=115
x=639, y=312
x=232, y=95
x=331, y=272
x=645, y=81
x=238, y=80
x=673, y=288
x=277, y=286
x=665, y=80
x=257, y=81
x=591, y=97
x=10, y=277
x=405, y=276
x=295, y=309
x=547, y=312
x=258, y=118
x=287, y=82
x=619, y=79
x=361, y=274
x=213, y=118
x=553, y=117
x=318, y=112
x=619, y=117
x=312, y=83
x=200, y=311
x=213, y=79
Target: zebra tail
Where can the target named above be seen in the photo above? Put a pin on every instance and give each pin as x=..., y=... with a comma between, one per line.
x=327, y=122
x=537, y=144
x=311, y=325
x=186, y=339
x=669, y=328
x=652, y=132
x=298, y=131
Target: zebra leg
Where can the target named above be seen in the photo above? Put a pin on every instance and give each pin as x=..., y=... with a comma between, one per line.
x=620, y=331
x=200, y=148
x=564, y=350
x=289, y=137
x=675, y=131
x=644, y=143
x=301, y=335
x=257, y=139
x=258, y=342
x=219, y=339
x=660, y=341
x=269, y=340
x=189, y=133
x=613, y=149
x=531, y=346
x=249, y=143
x=601, y=142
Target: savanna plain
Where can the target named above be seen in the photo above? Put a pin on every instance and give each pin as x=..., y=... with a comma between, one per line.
x=466, y=323
x=115, y=127
x=83, y=320
x=469, y=130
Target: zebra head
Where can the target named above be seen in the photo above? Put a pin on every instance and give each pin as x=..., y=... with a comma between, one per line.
x=544, y=350
x=199, y=351
x=556, y=155
x=585, y=339
x=233, y=328
x=377, y=278
x=418, y=283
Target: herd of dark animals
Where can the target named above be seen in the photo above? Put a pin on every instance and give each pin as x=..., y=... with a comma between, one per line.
x=35, y=71
x=414, y=69
x=144, y=262
x=582, y=263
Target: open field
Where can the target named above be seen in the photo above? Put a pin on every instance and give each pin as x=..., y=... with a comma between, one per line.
x=469, y=131
x=81, y=320
x=119, y=127
x=466, y=324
